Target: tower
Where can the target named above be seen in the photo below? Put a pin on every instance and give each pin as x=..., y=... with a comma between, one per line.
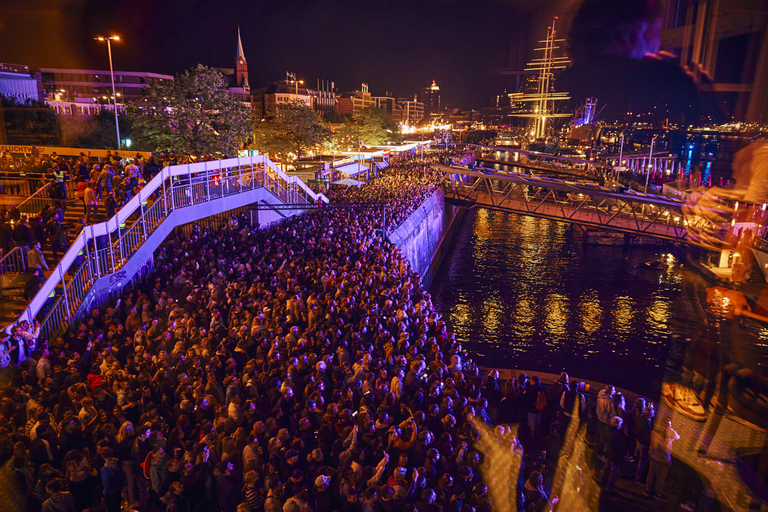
x=241, y=66
x=430, y=97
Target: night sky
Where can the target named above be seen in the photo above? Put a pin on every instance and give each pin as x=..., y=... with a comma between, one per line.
x=395, y=45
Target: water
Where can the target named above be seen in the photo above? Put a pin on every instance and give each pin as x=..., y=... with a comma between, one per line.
x=526, y=293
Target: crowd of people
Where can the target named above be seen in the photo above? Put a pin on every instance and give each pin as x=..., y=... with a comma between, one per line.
x=102, y=186
x=403, y=187
x=300, y=367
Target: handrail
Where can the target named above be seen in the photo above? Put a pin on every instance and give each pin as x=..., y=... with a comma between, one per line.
x=12, y=263
x=43, y=193
x=105, y=247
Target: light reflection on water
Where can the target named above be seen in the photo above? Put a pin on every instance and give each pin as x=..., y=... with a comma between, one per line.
x=526, y=293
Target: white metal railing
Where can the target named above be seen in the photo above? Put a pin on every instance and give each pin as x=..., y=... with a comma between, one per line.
x=101, y=249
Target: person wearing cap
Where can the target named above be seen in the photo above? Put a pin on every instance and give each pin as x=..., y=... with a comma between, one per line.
x=289, y=465
x=321, y=497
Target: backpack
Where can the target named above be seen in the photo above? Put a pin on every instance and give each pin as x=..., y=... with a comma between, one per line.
x=541, y=401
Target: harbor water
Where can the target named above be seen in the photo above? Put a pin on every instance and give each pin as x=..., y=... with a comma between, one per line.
x=522, y=292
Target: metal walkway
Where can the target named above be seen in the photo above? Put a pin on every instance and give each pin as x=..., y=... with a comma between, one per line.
x=583, y=204
x=178, y=194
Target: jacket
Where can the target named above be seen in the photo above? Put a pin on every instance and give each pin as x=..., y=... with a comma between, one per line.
x=661, y=445
x=605, y=408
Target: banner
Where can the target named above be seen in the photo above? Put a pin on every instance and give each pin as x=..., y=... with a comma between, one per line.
x=26, y=150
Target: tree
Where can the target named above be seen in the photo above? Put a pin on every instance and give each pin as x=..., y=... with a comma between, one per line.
x=192, y=114
x=28, y=122
x=369, y=127
x=291, y=129
x=97, y=132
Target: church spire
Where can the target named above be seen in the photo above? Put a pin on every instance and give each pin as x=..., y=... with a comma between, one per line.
x=241, y=66
x=240, y=54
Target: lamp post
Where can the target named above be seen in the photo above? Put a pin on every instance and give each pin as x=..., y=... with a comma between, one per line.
x=109, y=40
x=648, y=169
x=297, y=82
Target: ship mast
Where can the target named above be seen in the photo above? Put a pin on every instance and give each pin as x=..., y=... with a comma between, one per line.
x=544, y=100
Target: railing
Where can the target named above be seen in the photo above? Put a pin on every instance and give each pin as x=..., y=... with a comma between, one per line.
x=578, y=203
x=15, y=186
x=12, y=265
x=37, y=201
x=102, y=249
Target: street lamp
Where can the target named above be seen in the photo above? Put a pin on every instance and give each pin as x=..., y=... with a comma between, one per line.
x=650, y=164
x=109, y=40
x=297, y=82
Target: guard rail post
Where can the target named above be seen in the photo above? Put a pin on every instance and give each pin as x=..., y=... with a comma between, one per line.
x=64, y=292
x=96, y=251
x=207, y=182
x=165, y=205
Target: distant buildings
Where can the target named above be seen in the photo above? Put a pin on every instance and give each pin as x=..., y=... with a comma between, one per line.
x=267, y=99
x=17, y=83
x=238, y=76
x=412, y=110
x=430, y=97
x=355, y=101
x=87, y=91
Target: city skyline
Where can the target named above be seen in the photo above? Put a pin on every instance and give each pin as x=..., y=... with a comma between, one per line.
x=394, y=46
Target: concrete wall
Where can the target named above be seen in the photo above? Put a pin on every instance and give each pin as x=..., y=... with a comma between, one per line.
x=423, y=238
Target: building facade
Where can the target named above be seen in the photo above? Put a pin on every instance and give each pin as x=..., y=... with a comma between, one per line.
x=268, y=99
x=86, y=91
x=323, y=97
x=355, y=101
x=430, y=97
x=412, y=110
x=17, y=83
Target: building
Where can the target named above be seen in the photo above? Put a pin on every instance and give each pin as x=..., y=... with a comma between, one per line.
x=412, y=110
x=16, y=82
x=355, y=101
x=241, y=66
x=387, y=102
x=237, y=77
x=324, y=97
x=269, y=98
x=86, y=91
x=430, y=97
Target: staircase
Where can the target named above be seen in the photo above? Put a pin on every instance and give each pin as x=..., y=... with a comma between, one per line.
x=106, y=255
x=12, y=267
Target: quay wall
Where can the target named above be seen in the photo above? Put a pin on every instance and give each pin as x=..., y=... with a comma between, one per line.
x=425, y=236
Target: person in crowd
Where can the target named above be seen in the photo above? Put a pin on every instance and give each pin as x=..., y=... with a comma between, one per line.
x=660, y=456
x=22, y=237
x=643, y=429
x=105, y=181
x=91, y=202
x=82, y=184
x=36, y=258
x=615, y=450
